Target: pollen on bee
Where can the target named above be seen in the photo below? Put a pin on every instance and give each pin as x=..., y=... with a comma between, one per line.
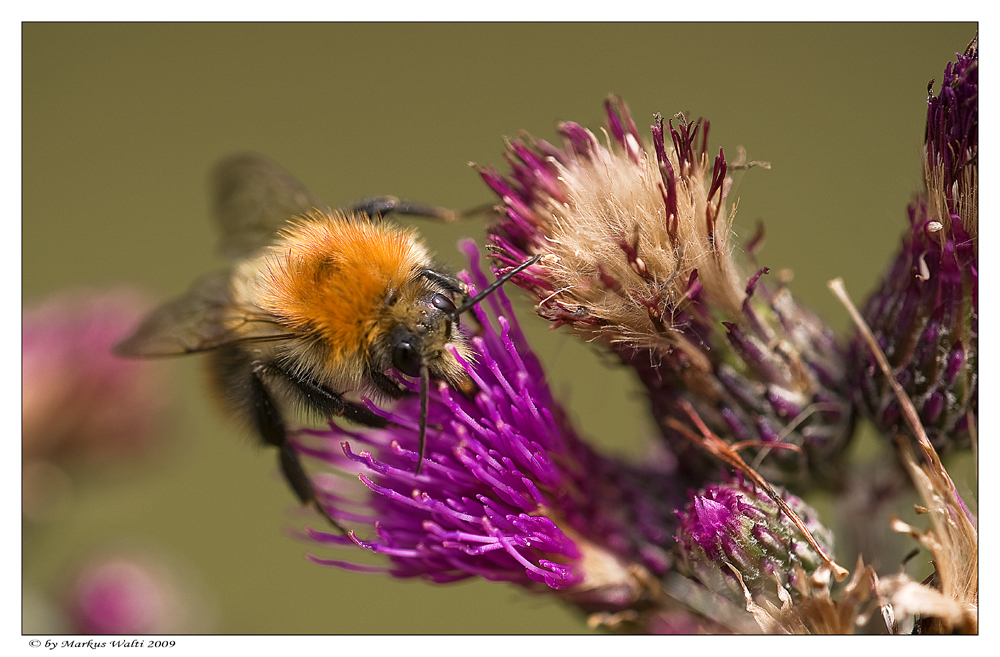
x=331, y=274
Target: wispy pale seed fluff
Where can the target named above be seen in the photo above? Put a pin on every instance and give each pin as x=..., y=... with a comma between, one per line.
x=963, y=193
x=615, y=206
x=638, y=254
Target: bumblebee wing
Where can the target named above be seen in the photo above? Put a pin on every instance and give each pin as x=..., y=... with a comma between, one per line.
x=253, y=198
x=204, y=318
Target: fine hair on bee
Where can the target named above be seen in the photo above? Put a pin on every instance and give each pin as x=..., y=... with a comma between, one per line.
x=318, y=303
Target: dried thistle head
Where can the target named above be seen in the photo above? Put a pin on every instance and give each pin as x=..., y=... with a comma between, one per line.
x=626, y=241
x=817, y=608
x=638, y=256
x=949, y=601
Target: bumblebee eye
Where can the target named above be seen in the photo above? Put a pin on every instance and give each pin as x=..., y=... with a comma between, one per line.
x=405, y=356
x=447, y=306
x=441, y=302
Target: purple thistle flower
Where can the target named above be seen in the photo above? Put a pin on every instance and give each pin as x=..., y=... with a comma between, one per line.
x=508, y=491
x=734, y=524
x=638, y=257
x=925, y=314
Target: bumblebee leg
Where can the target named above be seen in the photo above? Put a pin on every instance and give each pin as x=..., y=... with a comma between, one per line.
x=387, y=386
x=267, y=418
x=323, y=401
x=446, y=281
x=379, y=206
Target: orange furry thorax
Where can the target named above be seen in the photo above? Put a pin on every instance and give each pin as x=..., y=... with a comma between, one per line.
x=330, y=275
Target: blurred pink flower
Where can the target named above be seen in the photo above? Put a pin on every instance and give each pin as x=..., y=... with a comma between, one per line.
x=121, y=592
x=78, y=399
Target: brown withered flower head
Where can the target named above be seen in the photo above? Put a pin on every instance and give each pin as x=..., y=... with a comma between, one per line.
x=637, y=249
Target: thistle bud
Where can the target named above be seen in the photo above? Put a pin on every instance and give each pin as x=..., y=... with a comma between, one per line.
x=924, y=314
x=735, y=527
x=638, y=256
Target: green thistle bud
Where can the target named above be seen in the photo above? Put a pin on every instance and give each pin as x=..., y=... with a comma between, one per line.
x=735, y=526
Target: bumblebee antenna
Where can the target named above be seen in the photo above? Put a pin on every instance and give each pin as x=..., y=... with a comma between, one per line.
x=496, y=284
x=425, y=382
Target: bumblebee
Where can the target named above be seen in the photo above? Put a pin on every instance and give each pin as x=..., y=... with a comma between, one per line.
x=318, y=303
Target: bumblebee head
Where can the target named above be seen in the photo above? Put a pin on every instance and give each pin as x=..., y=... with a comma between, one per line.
x=418, y=347
x=416, y=330
x=422, y=344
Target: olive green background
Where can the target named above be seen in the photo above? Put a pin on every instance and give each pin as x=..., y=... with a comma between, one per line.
x=122, y=122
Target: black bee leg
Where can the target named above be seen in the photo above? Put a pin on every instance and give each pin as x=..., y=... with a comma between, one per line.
x=379, y=206
x=319, y=399
x=291, y=467
x=271, y=427
x=447, y=281
x=387, y=385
